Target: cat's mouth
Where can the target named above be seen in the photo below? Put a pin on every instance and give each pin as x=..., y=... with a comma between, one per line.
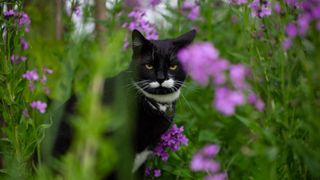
x=153, y=87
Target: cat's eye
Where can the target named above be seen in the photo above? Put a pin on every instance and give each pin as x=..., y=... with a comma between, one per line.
x=173, y=67
x=148, y=66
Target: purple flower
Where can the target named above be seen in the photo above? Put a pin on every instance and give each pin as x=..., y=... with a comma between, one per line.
x=9, y=13
x=147, y=171
x=238, y=75
x=31, y=86
x=154, y=2
x=139, y=22
x=17, y=59
x=172, y=139
x=303, y=23
x=219, y=176
x=202, y=161
x=200, y=60
x=257, y=102
x=309, y=14
x=227, y=100
x=291, y=30
x=39, y=105
x=192, y=9
x=260, y=8
x=31, y=75
x=24, y=44
x=277, y=7
x=293, y=3
x=210, y=150
x=77, y=10
x=157, y=173
x=286, y=44
x=24, y=20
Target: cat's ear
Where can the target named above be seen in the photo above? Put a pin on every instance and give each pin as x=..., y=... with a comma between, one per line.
x=139, y=42
x=185, y=39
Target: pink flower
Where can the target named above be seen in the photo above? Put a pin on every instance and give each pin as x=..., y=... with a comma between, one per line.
x=157, y=173
x=238, y=75
x=227, y=100
x=31, y=75
x=39, y=105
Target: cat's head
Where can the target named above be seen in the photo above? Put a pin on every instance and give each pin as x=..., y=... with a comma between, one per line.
x=159, y=74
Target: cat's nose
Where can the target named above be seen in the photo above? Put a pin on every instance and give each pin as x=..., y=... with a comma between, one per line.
x=160, y=77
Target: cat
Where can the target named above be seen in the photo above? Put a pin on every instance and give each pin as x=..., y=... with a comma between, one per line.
x=157, y=77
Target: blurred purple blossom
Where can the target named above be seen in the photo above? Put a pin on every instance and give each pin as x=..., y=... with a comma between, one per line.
x=39, y=105
x=192, y=9
x=202, y=62
x=287, y=43
x=9, y=13
x=218, y=176
x=77, y=10
x=31, y=75
x=203, y=161
x=17, y=59
x=31, y=86
x=291, y=30
x=238, y=74
x=227, y=100
x=24, y=20
x=260, y=8
x=147, y=171
x=277, y=7
x=256, y=101
x=139, y=22
x=172, y=139
x=293, y=3
x=154, y=2
x=157, y=173
x=24, y=44
x=309, y=13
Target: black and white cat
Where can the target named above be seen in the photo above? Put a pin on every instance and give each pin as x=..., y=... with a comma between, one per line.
x=157, y=77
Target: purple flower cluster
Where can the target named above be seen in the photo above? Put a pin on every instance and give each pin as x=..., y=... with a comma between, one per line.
x=172, y=139
x=203, y=161
x=156, y=172
x=293, y=3
x=31, y=75
x=310, y=12
x=202, y=62
x=23, y=18
x=139, y=22
x=260, y=8
x=39, y=105
x=15, y=59
x=192, y=9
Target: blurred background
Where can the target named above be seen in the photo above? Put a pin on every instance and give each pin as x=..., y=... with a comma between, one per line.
x=76, y=44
